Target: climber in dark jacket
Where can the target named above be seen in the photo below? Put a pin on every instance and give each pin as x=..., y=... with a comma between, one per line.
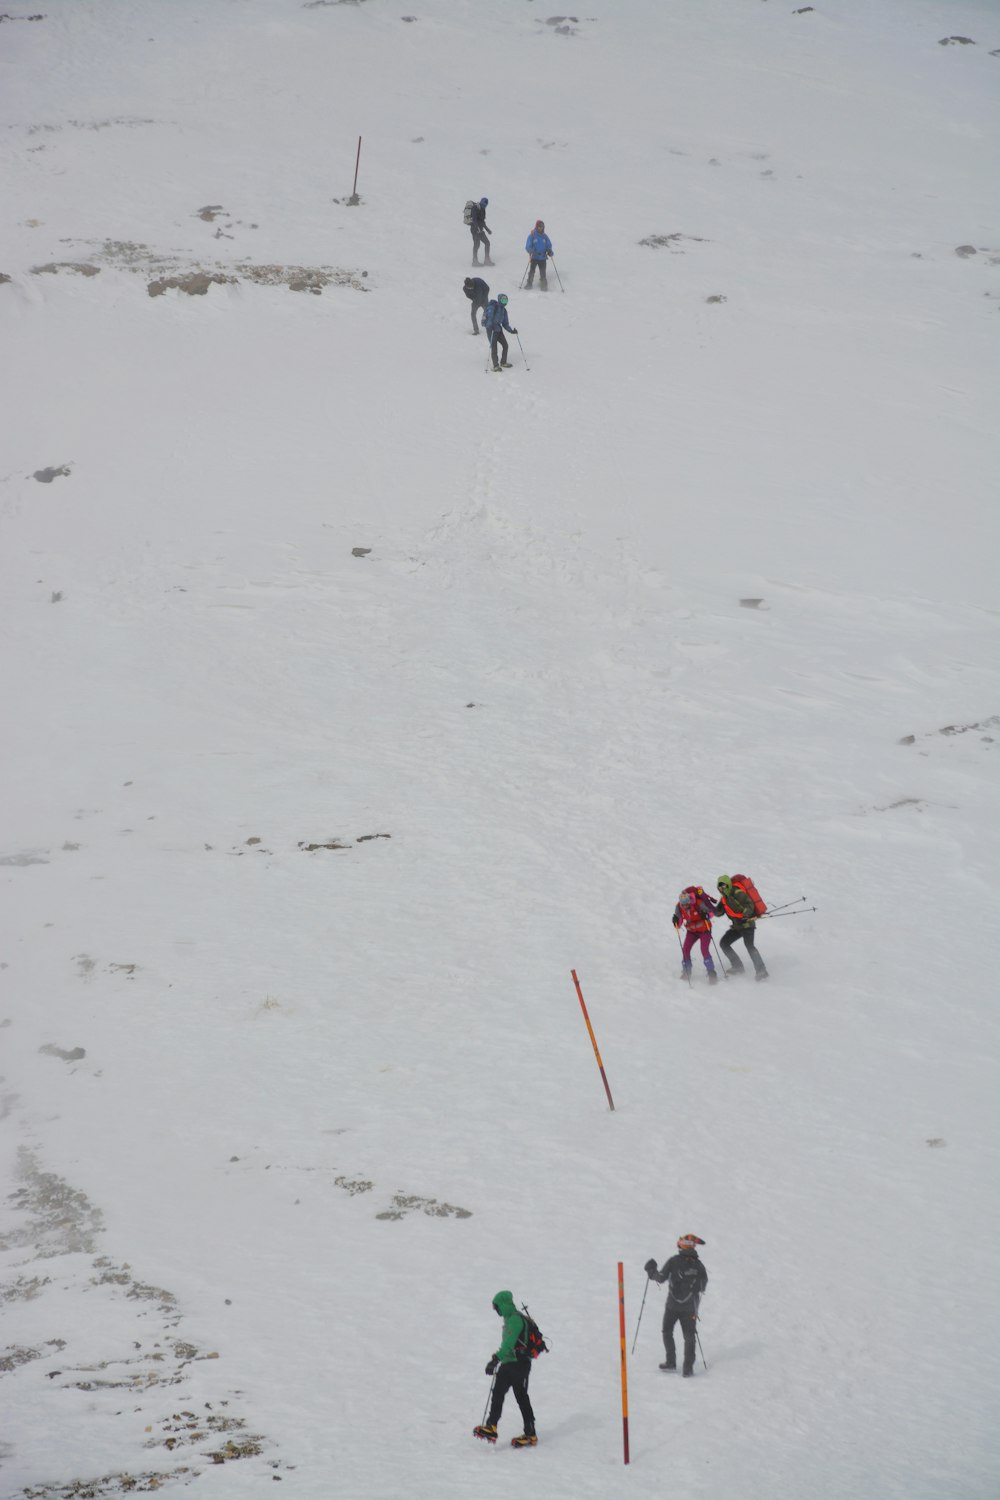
x=495, y=320
x=480, y=229
x=478, y=293
x=740, y=910
x=686, y=1280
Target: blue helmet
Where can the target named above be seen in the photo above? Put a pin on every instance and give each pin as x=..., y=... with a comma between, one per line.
x=483, y=202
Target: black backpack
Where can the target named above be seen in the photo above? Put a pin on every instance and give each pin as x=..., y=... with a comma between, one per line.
x=531, y=1343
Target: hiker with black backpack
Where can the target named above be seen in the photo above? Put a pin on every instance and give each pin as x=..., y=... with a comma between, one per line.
x=510, y=1367
x=741, y=909
x=495, y=320
x=686, y=1280
x=476, y=220
x=478, y=293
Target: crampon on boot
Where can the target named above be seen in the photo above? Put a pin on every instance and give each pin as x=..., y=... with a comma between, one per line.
x=487, y=1432
x=526, y=1440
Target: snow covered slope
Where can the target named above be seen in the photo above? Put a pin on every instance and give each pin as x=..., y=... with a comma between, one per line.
x=355, y=696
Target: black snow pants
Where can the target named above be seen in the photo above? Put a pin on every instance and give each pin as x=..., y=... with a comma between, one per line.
x=495, y=342
x=733, y=936
x=479, y=238
x=539, y=266
x=512, y=1377
x=479, y=305
x=687, y=1320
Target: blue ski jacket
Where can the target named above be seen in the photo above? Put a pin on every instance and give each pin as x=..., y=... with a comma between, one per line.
x=538, y=245
x=495, y=318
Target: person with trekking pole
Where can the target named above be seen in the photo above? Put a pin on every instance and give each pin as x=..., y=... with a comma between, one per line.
x=739, y=908
x=694, y=911
x=510, y=1367
x=495, y=320
x=539, y=248
x=686, y=1280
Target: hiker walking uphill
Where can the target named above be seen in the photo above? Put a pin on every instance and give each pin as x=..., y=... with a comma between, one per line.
x=495, y=320
x=475, y=217
x=739, y=906
x=694, y=911
x=478, y=293
x=539, y=248
x=686, y=1280
x=510, y=1367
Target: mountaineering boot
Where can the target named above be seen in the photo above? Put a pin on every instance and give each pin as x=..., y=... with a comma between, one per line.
x=488, y=262
x=762, y=974
x=505, y=364
x=666, y=1365
x=686, y=1372
x=526, y=1440
x=733, y=969
x=488, y=1432
x=713, y=978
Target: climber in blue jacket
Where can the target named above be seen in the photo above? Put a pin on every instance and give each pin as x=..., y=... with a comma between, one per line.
x=539, y=248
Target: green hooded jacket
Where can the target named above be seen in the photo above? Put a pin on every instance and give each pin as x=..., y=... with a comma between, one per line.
x=513, y=1327
x=736, y=904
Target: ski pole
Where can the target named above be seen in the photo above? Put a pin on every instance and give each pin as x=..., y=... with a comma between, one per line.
x=639, y=1320
x=685, y=973
x=489, y=355
x=788, y=903
x=524, y=274
x=558, y=277
x=489, y=1398
x=525, y=357
x=725, y=971
x=700, y=1349
x=787, y=914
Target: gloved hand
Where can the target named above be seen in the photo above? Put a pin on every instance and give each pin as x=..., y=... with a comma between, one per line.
x=650, y=1267
x=492, y=1365
x=550, y=254
x=514, y=331
x=676, y=924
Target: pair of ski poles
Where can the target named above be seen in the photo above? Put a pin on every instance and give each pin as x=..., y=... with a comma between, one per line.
x=781, y=911
x=639, y=1321
x=554, y=267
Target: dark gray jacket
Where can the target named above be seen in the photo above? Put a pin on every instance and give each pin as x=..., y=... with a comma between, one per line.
x=686, y=1279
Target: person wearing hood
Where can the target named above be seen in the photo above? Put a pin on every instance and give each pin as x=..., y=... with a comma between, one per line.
x=539, y=248
x=480, y=229
x=510, y=1366
x=740, y=910
x=686, y=1280
x=478, y=293
x=495, y=320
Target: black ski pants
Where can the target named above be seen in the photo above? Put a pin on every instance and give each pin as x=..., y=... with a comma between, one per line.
x=512, y=1377
x=478, y=305
x=495, y=342
x=539, y=266
x=733, y=936
x=687, y=1321
x=479, y=238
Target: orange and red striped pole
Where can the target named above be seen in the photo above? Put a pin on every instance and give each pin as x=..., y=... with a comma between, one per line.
x=593, y=1039
x=621, y=1340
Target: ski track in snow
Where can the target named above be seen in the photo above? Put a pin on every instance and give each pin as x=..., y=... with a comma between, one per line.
x=354, y=698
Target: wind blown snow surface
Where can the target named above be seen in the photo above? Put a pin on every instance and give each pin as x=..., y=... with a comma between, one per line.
x=353, y=696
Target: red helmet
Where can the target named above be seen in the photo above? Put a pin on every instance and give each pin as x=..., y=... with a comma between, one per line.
x=689, y=1242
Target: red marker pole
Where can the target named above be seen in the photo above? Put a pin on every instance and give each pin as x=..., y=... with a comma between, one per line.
x=621, y=1341
x=593, y=1039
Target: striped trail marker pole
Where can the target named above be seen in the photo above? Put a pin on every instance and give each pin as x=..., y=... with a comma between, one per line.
x=593, y=1039
x=621, y=1341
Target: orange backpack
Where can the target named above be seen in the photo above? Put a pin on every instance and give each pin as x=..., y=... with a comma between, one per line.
x=746, y=885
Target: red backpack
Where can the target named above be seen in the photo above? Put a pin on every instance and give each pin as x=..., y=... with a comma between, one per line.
x=746, y=885
x=693, y=914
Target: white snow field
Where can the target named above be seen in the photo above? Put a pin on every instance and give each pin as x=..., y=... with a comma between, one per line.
x=300, y=846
